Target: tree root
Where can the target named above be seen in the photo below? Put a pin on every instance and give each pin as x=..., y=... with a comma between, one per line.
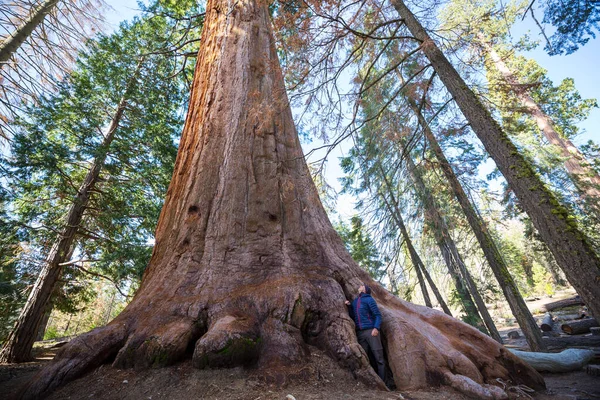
x=272, y=332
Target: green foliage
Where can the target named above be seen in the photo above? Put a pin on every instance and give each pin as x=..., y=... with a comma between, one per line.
x=59, y=139
x=576, y=22
x=591, y=151
x=52, y=333
x=12, y=281
x=361, y=246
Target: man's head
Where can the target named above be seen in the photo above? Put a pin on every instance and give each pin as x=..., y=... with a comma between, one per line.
x=363, y=288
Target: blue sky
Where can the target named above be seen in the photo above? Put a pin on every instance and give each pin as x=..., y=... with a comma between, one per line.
x=583, y=66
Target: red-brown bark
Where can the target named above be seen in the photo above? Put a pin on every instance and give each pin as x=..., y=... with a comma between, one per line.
x=247, y=268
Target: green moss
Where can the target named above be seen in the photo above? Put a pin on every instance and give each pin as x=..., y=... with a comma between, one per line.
x=160, y=358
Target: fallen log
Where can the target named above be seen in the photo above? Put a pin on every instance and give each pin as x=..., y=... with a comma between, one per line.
x=579, y=326
x=547, y=323
x=565, y=361
x=557, y=343
x=573, y=301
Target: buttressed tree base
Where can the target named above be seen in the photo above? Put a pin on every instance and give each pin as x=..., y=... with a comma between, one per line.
x=247, y=269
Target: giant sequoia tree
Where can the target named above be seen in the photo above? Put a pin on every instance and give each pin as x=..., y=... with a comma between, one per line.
x=247, y=268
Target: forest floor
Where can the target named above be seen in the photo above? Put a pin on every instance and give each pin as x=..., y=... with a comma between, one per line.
x=327, y=381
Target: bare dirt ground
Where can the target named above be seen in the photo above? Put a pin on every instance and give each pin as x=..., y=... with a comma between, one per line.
x=323, y=380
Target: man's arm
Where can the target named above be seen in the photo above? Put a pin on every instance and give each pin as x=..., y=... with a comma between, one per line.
x=375, y=313
x=350, y=309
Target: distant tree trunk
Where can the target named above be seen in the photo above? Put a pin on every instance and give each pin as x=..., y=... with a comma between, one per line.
x=44, y=322
x=586, y=180
x=571, y=249
x=451, y=255
x=418, y=272
x=486, y=242
x=68, y=324
x=436, y=291
x=19, y=343
x=247, y=269
x=14, y=40
x=111, y=305
x=420, y=268
x=550, y=266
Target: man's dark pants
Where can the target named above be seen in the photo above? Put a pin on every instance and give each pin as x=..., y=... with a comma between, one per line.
x=373, y=343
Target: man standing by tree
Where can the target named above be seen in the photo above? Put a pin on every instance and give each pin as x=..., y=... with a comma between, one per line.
x=367, y=319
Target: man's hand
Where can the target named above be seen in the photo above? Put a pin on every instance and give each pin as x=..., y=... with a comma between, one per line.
x=375, y=332
x=347, y=303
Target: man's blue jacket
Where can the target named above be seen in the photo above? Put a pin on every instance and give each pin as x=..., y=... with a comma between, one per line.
x=364, y=312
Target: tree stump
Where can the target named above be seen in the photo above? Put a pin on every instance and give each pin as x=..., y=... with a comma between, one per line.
x=514, y=335
x=547, y=323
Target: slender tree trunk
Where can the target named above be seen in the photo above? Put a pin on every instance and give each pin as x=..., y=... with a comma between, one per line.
x=68, y=324
x=111, y=305
x=420, y=268
x=14, y=40
x=441, y=234
x=19, y=343
x=247, y=269
x=44, y=322
x=583, y=176
x=571, y=249
x=483, y=311
x=490, y=250
x=550, y=266
x=417, y=265
x=436, y=291
x=451, y=255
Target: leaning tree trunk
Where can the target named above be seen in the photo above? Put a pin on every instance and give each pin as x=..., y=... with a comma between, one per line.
x=15, y=39
x=418, y=264
x=571, y=249
x=247, y=268
x=586, y=180
x=451, y=255
x=44, y=322
x=486, y=242
x=19, y=343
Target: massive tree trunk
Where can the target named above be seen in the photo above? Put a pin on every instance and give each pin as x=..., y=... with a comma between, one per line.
x=571, y=249
x=586, y=180
x=19, y=343
x=247, y=268
x=451, y=255
x=14, y=40
x=486, y=242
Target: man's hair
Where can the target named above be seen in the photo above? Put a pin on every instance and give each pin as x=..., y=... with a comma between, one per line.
x=367, y=288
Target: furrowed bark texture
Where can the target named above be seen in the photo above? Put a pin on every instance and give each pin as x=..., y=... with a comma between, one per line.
x=19, y=343
x=12, y=43
x=586, y=180
x=572, y=251
x=465, y=285
x=247, y=268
